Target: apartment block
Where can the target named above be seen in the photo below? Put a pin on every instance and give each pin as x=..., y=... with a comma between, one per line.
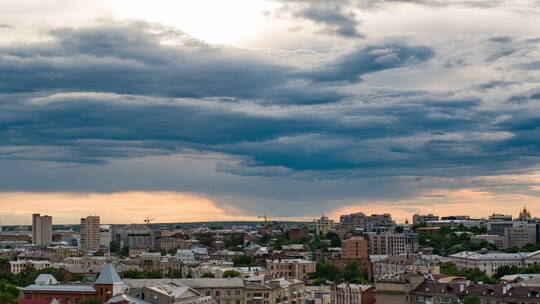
x=90, y=233
x=41, y=229
x=290, y=268
x=361, y=221
x=392, y=243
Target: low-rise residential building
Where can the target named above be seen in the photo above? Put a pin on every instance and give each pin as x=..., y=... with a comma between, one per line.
x=173, y=294
x=433, y=292
x=290, y=268
x=186, y=256
x=346, y=293
x=317, y=294
x=404, y=263
x=16, y=267
x=230, y=290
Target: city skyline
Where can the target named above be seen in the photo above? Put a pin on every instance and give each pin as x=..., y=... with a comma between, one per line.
x=207, y=110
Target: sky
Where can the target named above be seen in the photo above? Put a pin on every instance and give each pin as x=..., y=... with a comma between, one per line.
x=203, y=110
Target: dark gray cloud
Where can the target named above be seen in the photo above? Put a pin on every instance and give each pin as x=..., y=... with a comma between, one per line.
x=333, y=16
x=146, y=59
x=350, y=67
x=132, y=59
x=99, y=95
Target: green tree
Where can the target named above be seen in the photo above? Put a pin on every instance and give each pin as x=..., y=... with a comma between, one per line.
x=353, y=274
x=335, y=241
x=231, y=274
x=208, y=275
x=325, y=272
x=471, y=299
x=114, y=247
x=206, y=239
x=175, y=273
x=399, y=229
x=245, y=261
x=131, y=274
x=91, y=301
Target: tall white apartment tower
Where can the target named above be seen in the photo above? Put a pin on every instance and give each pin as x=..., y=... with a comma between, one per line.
x=41, y=229
x=90, y=234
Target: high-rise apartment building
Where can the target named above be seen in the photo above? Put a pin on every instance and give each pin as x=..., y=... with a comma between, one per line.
x=90, y=233
x=41, y=229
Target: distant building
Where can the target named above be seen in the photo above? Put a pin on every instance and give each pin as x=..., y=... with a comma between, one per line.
x=90, y=233
x=323, y=225
x=404, y=263
x=346, y=293
x=105, y=236
x=290, y=268
x=524, y=215
x=431, y=291
x=520, y=236
x=41, y=229
x=359, y=220
x=354, y=249
x=137, y=236
x=490, y=261
x=16, y=267
x=423, y=218
x=173, y=294
x=393, y=243
x=496, y=240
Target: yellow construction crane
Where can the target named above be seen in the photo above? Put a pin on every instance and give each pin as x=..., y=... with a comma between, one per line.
x=148, y=220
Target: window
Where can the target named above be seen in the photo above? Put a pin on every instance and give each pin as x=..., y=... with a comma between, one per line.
x=218, y=293
x=228, y=293
x=238, y=293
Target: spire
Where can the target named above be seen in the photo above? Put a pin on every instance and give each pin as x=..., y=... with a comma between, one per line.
x=108, y=275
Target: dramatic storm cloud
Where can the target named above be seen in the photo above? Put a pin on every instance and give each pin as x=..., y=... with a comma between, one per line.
x=325, y=106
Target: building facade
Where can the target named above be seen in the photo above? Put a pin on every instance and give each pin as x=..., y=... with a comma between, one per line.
x=90, y=233
x=352, y=294
x=41, y=229
x=290, y=268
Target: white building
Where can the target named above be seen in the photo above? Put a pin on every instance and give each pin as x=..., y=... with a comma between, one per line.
x=490, y=261
x=186, y=256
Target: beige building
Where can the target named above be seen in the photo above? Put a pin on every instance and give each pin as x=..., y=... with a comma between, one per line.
x=290, y=268
x=173, y=294
x=520, y=236
x=90, y=233
x=275, y=291
x=16, y=267
x=323, y=225
x=41, y=229
x=227, y=290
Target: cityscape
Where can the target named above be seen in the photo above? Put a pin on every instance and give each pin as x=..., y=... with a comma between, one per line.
x=362, y=258
x=270, y=152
